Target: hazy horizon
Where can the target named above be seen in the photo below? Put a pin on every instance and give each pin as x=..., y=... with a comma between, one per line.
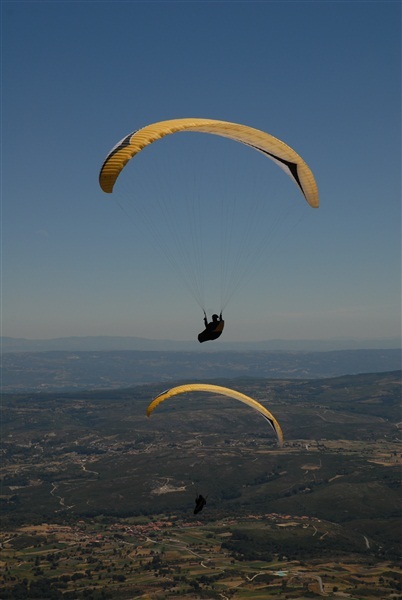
x=127, y=343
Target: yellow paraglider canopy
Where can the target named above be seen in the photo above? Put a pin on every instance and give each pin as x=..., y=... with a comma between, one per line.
x=217, y=389
x=273, y=148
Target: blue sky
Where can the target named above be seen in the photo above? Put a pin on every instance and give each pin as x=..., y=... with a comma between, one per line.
x=78, y=76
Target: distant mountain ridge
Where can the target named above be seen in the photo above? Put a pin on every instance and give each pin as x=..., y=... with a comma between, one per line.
x=111, y=343
x=72, y=370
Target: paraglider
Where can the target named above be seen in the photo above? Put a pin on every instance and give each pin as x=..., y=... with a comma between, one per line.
x=217, y=389
x=200, y=502
x=237, y=250
x=213, y=329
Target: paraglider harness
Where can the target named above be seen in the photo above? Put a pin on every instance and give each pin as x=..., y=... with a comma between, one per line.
x=212, y=330
x=200, y=502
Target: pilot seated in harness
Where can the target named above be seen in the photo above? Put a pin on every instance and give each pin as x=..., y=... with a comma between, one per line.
x=213, y=329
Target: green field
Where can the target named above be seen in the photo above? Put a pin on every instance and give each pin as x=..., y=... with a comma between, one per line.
x=166, y=557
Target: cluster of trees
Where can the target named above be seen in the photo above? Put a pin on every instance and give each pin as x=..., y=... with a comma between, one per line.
x=48, y=589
